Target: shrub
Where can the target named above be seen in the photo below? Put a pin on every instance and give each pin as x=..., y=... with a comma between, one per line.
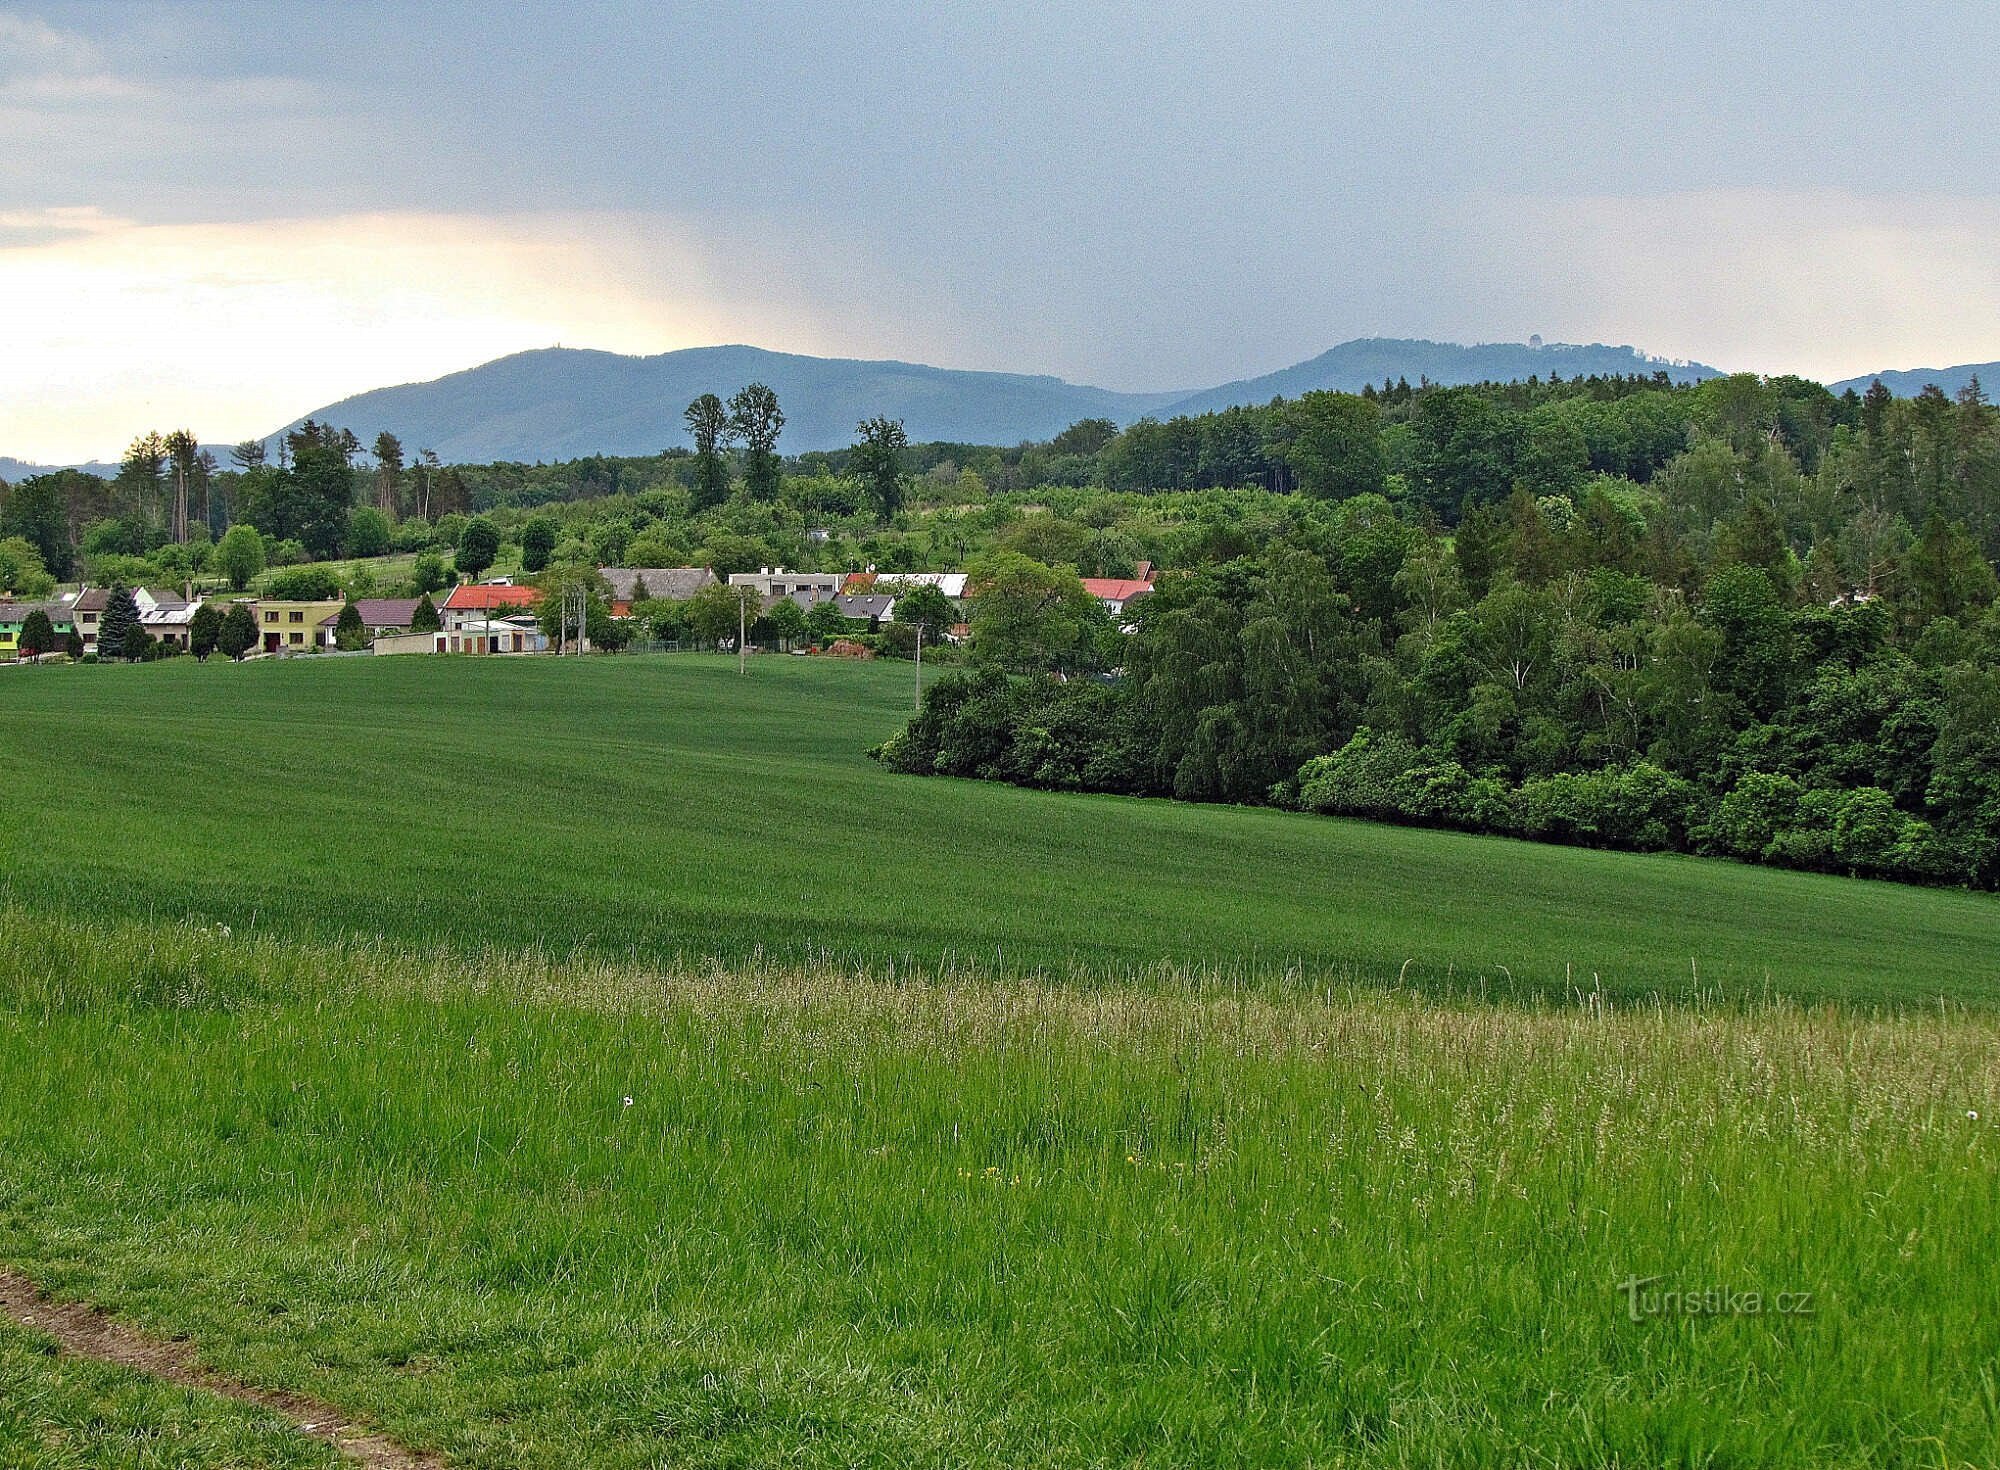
x=303, y=584
x=368, y=532
x=1361, y=778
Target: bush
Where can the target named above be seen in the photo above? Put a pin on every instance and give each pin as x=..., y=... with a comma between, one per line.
x=1749, y=820
x=1360, y=779
x=368, y=532
x=303, y=584
x=428, y=574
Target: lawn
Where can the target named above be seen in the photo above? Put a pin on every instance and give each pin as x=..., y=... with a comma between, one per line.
x=644, y=808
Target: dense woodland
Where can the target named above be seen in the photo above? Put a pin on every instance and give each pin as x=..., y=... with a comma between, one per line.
x=1746, y=617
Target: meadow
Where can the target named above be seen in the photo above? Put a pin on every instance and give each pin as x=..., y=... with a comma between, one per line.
x=751, y=1214
x=649, y=808
x=602, y=1062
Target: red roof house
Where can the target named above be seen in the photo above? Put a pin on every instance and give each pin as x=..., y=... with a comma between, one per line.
x=482, y=597
x=1116, y=592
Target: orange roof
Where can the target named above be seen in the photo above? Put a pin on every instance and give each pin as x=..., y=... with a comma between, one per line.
x=468, y=597
x=858, y=582
x=1115, y=589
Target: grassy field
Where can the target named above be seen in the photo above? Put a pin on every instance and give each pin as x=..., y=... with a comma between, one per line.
x=651, y=807
x=602, y=1063
x=581, y=1214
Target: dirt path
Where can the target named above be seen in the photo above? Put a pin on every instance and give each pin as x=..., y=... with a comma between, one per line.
x=86, y=1332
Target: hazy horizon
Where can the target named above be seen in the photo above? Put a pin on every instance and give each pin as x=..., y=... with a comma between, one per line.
x=221, y=214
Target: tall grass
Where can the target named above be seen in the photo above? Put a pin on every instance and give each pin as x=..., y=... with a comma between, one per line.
x=533, y=1210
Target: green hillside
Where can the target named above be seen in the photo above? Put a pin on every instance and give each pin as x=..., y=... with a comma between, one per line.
x=645, y=808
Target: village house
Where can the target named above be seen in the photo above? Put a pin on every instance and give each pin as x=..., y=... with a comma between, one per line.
x=773, y=582
x=1117, y=593
x=478, y=602
x=473, y=635
x=951, y=584
x=381, y=617
x=633, y=584
x=169, y=622
x=14, y=614
x=286, y=626
x=87, y=612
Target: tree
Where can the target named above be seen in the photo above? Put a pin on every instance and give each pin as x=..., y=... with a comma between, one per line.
x=349, y=632
x=786, y=621
x=713, y=613
x=826, y=622
x=424, y=618
x=478, y=547
x=1030, y=618
x=927, y=608
x=388, y=475
x=135, y=645
x=878, y=460
x=21, y=571
x=239, y=632
x=368, y=532
x=184, y=451
x=428, y=574
x=538, y=543
x=239, y=556
x=249, y=455
x=314, y=495
x=756, y=419
x=139, y=476
x=38, y=635
x=121, y=616
x=37, y=510
x=204, y=631
x=708, y=425
x=1332, y=443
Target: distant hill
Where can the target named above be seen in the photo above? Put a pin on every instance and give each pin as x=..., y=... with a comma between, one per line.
x=560, y=402
x=1909, y=382
x=1354, y=365
x=12, y=470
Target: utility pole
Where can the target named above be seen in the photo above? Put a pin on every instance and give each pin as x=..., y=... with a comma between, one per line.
x=742, y=629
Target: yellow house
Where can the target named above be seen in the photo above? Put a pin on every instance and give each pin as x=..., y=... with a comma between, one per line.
x=292, y=627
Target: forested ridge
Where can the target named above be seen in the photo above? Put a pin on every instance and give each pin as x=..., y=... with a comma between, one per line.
x=1748, y=619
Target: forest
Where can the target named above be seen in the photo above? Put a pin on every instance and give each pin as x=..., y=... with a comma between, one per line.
x=1748, y=617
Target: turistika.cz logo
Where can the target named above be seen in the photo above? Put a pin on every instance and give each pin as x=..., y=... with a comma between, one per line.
x=1645, y=1297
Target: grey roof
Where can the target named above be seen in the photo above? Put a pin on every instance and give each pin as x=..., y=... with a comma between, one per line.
x=865, y=605
x=379, y=612
x=675, y=583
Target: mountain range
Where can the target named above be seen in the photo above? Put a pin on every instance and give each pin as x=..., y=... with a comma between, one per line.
x=561, y=403
x=1908, y=384
x=558, y=403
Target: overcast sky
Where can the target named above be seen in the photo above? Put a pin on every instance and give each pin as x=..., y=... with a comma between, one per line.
x=222, y=213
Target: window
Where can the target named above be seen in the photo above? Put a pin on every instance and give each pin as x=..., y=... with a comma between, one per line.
x=298, y=617
x=270, y=615
x=297, y=637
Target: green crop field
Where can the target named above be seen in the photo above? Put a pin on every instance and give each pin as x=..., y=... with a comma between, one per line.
x=603, y=1063
x=647, y=807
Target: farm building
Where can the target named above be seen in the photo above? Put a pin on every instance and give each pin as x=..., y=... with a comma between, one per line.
x=633, y=584
x=472, y=603
x=473, y=635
